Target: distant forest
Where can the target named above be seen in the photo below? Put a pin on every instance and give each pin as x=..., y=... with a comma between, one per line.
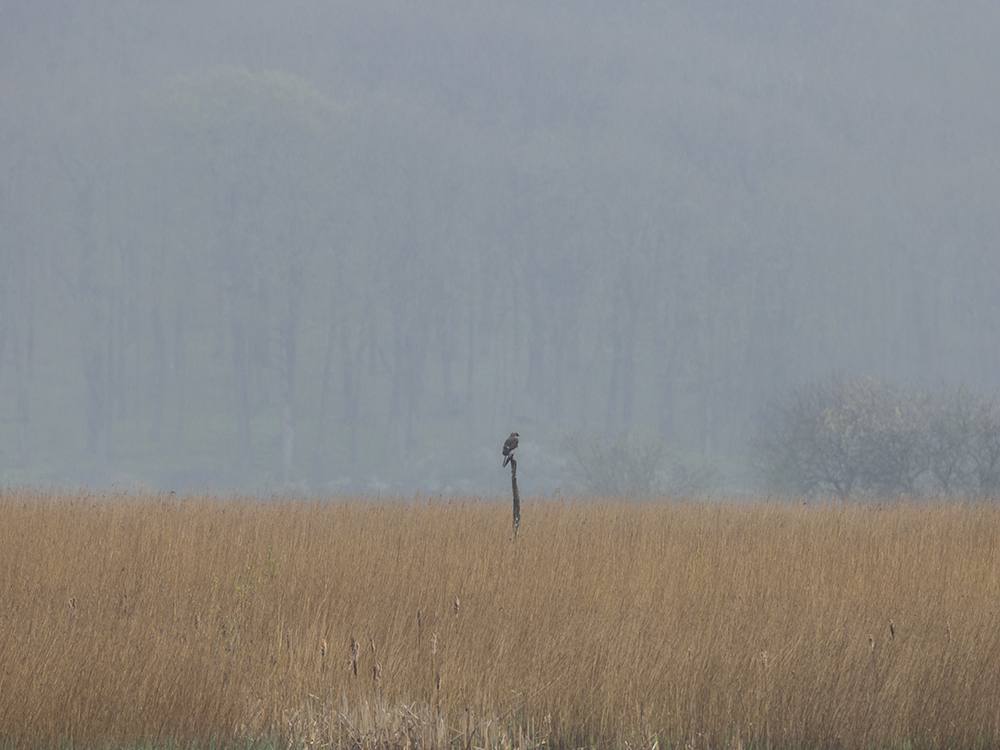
x=326, y=245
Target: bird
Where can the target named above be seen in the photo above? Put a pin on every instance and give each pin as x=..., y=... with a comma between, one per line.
x=509, y=446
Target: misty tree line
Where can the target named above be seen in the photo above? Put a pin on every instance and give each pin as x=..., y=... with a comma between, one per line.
x=863, y=435
x=231, y=275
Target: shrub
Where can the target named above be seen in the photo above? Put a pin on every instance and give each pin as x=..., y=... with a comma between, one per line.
x=623, y=465
x=636, y=466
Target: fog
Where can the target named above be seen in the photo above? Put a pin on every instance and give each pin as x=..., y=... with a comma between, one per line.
x=328, y=246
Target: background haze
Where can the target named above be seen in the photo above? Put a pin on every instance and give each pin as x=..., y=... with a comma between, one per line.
x=352, y=245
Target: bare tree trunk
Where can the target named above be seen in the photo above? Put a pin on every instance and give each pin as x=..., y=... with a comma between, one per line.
x=625, y=319
x=242, y=385
x=96, y=339
x=11, y=328
x=288, y=331
x=118, y=334
x=159, y=372
x=288, y=342
x=470, y=366
x=707, y=430
x=288, y=443
x=538, y=324
x=20, y=381
x=108, y=417
x=178, y=380
x=352, y=365
x=324, y=400
x=409, y=354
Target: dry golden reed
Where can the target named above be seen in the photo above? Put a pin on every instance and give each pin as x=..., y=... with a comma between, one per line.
x=632, y=624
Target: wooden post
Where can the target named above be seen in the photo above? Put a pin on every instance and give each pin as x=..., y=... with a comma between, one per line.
x=517, y=497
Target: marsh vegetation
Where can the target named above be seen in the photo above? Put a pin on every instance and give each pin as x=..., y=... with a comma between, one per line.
x=353, y=622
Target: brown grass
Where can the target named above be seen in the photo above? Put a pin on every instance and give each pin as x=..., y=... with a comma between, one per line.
x=143, y=618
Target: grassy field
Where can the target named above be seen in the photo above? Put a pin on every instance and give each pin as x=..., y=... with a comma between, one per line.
x=155, y=619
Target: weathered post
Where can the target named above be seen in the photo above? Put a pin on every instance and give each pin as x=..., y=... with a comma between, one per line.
x=517, y=497
x=509, y=446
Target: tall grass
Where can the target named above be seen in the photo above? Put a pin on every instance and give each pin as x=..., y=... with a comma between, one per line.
x=352, y=623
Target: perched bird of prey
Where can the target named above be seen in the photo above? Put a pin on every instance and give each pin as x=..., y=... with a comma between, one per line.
x=509, y=445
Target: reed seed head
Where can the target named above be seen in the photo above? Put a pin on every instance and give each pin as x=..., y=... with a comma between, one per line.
x=763, y=659
x=352, y=661
x=871, y=643
x=456, y=606
x=322, y=649
x=434, y=643
x=377, y=675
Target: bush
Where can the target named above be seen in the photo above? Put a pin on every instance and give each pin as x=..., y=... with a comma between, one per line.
x=624, y=465
x=847, y=435
x=635, y=466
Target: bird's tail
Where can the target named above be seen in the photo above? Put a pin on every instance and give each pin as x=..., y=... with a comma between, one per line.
x=506, y=460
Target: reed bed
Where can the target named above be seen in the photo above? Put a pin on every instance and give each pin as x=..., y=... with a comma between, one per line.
x=359, y=623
